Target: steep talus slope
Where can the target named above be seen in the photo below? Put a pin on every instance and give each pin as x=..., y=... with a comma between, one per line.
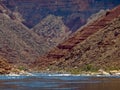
x=53, y=30
x=96, y=44
x=17, y=42
x=13, y=15
x=5, y=67
x=20, y=45
x=74, y=12
x=101, y=50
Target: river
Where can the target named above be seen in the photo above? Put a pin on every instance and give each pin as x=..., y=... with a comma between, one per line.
x=59, y=82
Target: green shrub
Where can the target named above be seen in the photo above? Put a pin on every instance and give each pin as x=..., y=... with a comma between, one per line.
x=75, y=71
x=90, y=67
x=21, y=68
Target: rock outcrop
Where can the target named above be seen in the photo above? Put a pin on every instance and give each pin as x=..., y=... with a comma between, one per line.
x=13, y=15
x=5, y=67
x=17, y=38
x=19, y=44
x=53, y=30
x=95, y=45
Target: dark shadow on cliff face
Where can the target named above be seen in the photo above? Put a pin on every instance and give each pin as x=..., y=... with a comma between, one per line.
x=33, y=11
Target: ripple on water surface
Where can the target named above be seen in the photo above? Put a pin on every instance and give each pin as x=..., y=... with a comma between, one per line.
x=59, y=82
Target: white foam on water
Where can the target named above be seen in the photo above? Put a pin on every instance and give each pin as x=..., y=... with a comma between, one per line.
x=59, y=74
x=13, y=75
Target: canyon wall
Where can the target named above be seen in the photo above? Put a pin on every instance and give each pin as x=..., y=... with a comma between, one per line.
x=73, y=12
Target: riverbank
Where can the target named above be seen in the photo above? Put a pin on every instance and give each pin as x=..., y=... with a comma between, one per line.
x=64, y=74
x=82, y=73
x=100, y=72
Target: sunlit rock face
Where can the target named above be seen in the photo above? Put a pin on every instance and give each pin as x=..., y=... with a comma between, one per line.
x=5, y=67
x=74, y=12
x=96, y=44
x=52, y=29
